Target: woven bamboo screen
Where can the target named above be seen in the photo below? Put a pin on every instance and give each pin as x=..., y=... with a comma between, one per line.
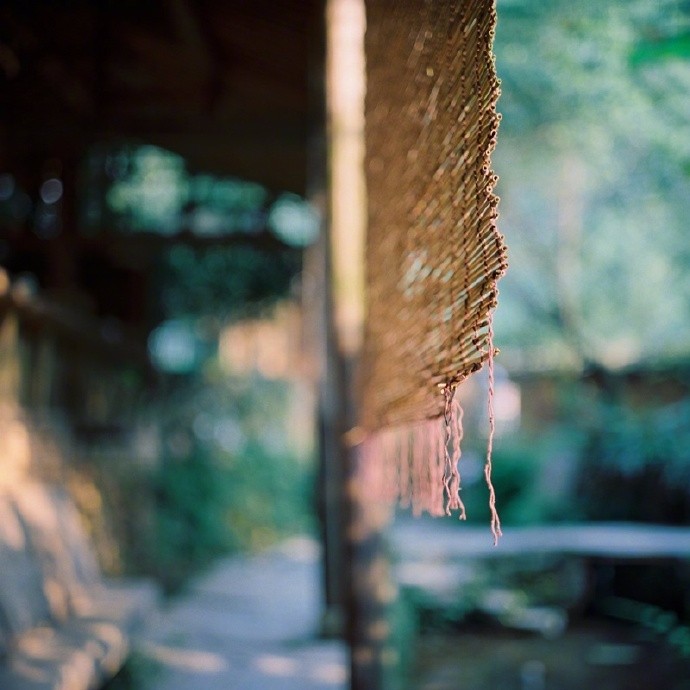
x=434, y=254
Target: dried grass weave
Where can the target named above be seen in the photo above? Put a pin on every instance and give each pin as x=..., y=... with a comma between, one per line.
x=434, y=253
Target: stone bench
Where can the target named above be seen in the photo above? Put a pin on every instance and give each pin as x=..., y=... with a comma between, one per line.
x=62, y=625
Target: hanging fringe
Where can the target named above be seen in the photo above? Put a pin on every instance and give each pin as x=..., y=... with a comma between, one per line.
x=453, y=437
x=418, y=465
x=495, y=520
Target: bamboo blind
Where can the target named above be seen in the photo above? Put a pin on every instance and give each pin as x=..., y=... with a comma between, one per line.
x=434, y=253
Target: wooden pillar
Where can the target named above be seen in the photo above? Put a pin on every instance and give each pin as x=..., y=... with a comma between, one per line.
x=368, y=580
x=357, y=581
x=372, y=591
x=332, y=394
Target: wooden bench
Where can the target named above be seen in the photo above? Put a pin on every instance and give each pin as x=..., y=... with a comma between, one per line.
x=428, y=539
x=62, y=625
x=448, y=561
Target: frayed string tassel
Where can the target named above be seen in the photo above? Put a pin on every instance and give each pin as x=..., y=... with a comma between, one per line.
x=419, y=471
x=457, y=415
x=417, y=466
x=437, y=444
x=495, y=520
x=394, y=449
x=453, y=435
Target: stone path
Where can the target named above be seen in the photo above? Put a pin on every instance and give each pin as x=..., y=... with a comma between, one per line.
x=251, y=623
x=248, y=624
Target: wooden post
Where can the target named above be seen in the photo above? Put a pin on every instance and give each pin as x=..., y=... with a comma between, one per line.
x=368, y=583
x=331, y=403
x=371, y=588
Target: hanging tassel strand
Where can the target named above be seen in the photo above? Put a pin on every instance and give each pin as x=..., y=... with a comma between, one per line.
x=457, y=414
x=452, y=418
x=449, y=473
x=495, y=520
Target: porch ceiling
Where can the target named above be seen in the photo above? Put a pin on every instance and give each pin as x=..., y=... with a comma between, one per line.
x=223, y=83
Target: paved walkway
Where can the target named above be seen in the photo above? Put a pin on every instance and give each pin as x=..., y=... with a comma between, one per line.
x=249, y=624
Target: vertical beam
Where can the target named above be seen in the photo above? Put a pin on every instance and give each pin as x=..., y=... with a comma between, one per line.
x=317, y=290
x=369, y=586
x=357, y=579
x=345, y=100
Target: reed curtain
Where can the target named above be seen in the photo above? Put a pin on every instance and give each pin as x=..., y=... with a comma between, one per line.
x=434, y=253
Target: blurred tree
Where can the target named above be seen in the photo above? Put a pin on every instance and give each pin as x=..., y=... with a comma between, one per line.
x=231, y=247
x=594, y=158
x=229, y=282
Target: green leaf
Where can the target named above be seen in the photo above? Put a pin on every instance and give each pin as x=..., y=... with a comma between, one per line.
x=663, y=48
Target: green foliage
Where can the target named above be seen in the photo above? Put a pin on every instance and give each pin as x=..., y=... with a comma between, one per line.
x=224, y=281
x=190, y=526
x=630, y=440
x=403, y=620
x=141, y=188
x=661, y=623
x=636, y=462
x=130, y=188
x=138, y=672
x=668, y=47
x=531, y=478
x=593, y=158
x=228, y=479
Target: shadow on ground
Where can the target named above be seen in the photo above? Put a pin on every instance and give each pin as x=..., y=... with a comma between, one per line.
x=595, y=654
